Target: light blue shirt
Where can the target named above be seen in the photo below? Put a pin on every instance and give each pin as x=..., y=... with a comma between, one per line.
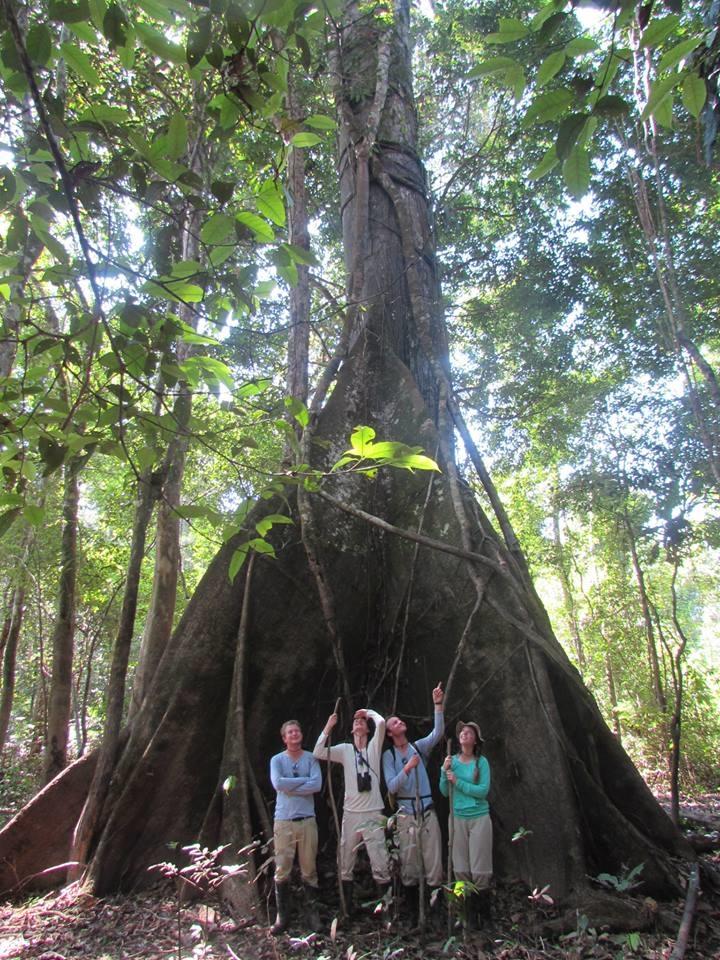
x=295, y=782
x=407, y=787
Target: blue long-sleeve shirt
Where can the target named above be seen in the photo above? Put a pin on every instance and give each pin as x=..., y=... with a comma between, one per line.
x=295, y=782
x=406, y=786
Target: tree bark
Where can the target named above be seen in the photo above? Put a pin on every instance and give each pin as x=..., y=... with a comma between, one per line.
x=60, y=700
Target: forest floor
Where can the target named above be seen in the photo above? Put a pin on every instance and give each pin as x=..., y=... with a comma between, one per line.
x=154, y=926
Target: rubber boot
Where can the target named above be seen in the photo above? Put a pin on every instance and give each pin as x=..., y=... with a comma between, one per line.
x=483, y=903
x=410, y=908
x=312, y=917
x=347, y=886
x=283, y=902
x=469, y=912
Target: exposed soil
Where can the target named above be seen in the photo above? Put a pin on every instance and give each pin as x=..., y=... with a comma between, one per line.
x=154, y=926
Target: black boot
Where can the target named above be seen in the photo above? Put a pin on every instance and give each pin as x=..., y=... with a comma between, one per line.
x=311, y=907
x=347, y=887
x=483, y=902
x=469, y=912
x=283, y=902
x=410, y=906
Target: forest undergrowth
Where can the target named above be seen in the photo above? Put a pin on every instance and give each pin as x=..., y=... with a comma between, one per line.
x=156, y=925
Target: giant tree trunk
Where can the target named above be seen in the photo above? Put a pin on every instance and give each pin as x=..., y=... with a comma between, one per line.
x=558, y=772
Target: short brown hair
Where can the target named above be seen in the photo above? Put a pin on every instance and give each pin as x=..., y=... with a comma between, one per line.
x=290, y=723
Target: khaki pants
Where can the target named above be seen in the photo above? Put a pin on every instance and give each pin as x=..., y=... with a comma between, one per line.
x=472, y=850
x=430, y=846
x=292, y=835
x=368, y=828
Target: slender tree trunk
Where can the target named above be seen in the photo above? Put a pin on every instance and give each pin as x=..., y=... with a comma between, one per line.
x=567, y=590
x=161, y=614
x=645, y=605
x=60, y=699
x=86, y=825
x=10, y=636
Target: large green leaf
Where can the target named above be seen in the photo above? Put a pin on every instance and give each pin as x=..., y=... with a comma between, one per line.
x=658, y=30
x=509, y=30
x=218, y=229
x=548, y=106
x=177, y=135
x=80, y=64
x=576, y=172
x=694, y=94
x=156, y=43
x=550, y=66
x=264, y=233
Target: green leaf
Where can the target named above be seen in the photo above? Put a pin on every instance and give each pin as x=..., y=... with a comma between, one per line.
x=271, y=202
x=199, y=40
x=580, y=46
x=39, y=44
x=569, y=133
x=543, y=14
x=298, y=410
x=663, y=112
x=177, y=291
x=114, y=25
x=262, y=546
x=265, y=525
x=237, y=560
x=156, y=43
x=677, y=53
x=300, y=254
x=7, y=519
x=33, y=514
x=264, y=233
x=305, y=139
x=361, y=439
x=67, y=12
x=658, y=30
x=611, y=106
x=157, y=10
x=218, y=229
x=415, y=461
x=694, y=94
x=548, y=106
x=660, y=90
x=576, y=172
x=80, y=64
x=253, y=388
x=515, y=79
x=549, y=161
x=222, y=190
x=319, y=121
x=493, y=65
x=550, y=66
x=510, y=29
x=177, y=136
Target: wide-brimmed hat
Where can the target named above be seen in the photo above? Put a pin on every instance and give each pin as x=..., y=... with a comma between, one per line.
x=469, y=723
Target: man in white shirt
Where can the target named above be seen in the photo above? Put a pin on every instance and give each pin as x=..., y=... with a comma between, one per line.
x=363, y=818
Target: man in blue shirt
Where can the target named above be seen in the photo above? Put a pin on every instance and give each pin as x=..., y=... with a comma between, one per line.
x=296, y=777
x=406, y=777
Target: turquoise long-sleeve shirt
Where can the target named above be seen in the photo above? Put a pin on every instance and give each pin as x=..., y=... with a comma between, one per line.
x=469, y=798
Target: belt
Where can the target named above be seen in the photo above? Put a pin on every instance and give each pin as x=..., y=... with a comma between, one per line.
x=428, y=809
x=298, y=819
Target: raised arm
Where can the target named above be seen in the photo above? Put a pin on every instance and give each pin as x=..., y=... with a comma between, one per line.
x=426, y=744
x=320, y=751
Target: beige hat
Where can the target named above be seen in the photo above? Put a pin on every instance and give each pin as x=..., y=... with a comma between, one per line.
x=469, y=723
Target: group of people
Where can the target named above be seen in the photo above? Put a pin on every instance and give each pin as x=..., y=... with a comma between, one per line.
x=464, y=778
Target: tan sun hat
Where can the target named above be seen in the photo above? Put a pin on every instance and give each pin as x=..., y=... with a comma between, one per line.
x=469, y=723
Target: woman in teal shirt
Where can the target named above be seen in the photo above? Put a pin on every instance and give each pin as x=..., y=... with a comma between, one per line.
x=469, y=773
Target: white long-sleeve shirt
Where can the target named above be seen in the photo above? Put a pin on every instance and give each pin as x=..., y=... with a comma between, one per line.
x=358, y=761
